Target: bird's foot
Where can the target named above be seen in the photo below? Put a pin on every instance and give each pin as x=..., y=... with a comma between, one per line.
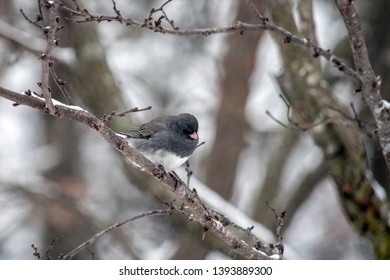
x=160, y=172
x=177, y=179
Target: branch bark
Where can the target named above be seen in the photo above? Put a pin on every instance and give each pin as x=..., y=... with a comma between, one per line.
x=370, y=83
x=50, y=31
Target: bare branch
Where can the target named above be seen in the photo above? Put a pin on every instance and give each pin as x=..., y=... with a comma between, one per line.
x=50, y=30
x=36, y=252
x=371, y=84
x=155, y=25
x=110, y=116
x=164, y=16
x=292, y=124
x=201, y=143
x=279, y=227
x=61, y=85
x=52, y=41
x=195, y=207
x=93, y=239
x=51, y=246
x=366, y=127
x=257, y=12
x=37, y=21
x=118, y=13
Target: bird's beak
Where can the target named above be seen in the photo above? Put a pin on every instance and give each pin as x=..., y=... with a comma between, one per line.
x=194, y=135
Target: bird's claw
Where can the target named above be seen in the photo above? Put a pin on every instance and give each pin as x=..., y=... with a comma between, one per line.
x=177, y=179
x=160, y=172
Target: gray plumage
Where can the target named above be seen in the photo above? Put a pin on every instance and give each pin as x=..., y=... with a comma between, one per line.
x=168, y=141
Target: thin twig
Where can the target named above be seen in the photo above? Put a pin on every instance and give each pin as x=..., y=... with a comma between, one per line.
x=36, y=252
x=51, y=246
x=296, y=126
x=279, y=122
x=292, y=125
x=61, y=85
x=364, y=126
x=35, y=22
x=39, y=4
x=110, y=116
x=151, y=23
x=93, y=239
x=279, y=228
x=116, y=10
x=165, y=16
x=200, y=144
x=257, y=12
x=77, y=7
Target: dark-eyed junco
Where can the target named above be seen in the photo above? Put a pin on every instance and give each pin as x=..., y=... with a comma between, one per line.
x=167, y=141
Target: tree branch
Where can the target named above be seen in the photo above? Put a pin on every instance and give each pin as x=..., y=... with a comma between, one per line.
x=194, y=207
x=32, y=44
x=371, y=83
x=346, y=161
x=83, y=15
x=93, y=239
x=50, y=32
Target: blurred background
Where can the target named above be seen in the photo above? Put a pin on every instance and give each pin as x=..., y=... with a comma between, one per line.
x=60, y=180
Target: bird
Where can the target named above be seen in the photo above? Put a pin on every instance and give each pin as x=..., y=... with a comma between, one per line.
x=167, y=141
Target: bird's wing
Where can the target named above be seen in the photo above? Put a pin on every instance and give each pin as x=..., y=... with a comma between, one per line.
x=143, y=132
x=146, y=130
